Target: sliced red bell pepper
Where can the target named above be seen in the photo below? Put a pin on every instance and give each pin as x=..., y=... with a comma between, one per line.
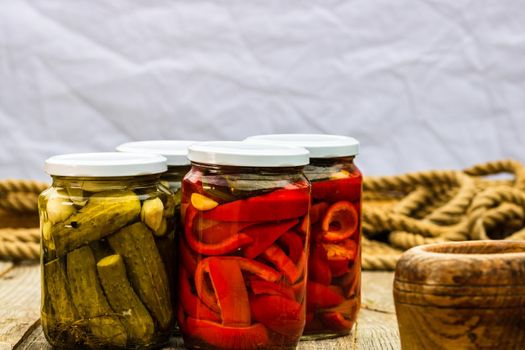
x=318, y=268
x=264, y=235
x=227, y=246
x=336, y=321
x=277, y=205
x=347, y=189
x=340, y=222
x=282, y=262
x=339, y=256
x=204, y=290
x=190, y=303
x=280, y=314
x=259, y=286
x=211, y=231
x=187, y=257
x=230, y=289
x=320, y=296
x=293, y=245
x=224, y=337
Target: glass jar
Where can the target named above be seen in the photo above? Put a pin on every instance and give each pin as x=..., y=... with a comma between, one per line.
x=176, y=154
x=334, y=266
x=105, y=221
x=243, y=254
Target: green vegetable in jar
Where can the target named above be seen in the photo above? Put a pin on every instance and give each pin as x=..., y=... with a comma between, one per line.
x=105, y=327
x=136, y=245
x=124, y=301
x=105, y=213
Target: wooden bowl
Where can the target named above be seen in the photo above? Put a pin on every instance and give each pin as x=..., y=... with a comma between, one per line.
x=462, y=295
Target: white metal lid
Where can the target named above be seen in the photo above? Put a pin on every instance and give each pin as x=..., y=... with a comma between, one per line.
x=319, y=145
x=105, y=164
x=239, y=153
x=175, y=151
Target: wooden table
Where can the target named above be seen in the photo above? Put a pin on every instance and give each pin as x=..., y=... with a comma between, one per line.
x=20, y=307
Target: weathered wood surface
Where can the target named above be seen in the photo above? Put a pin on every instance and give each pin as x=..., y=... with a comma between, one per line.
x=20, y=301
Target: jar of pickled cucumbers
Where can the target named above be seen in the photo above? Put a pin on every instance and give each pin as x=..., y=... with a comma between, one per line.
x=243, y=254
x=105, y=221
x=334, y=267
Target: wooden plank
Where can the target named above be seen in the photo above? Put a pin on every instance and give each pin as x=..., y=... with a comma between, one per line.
x=376, y=327
x=20, y=303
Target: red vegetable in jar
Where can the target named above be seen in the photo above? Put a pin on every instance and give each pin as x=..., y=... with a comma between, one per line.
x=334, y=263
x=243, y=254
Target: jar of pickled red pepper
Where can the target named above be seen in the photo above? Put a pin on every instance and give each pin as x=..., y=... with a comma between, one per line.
x=334, y=267
x=243, y=254
x=105, y=221
x=176, y=154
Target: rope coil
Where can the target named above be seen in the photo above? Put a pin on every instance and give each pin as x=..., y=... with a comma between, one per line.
x=399, y=212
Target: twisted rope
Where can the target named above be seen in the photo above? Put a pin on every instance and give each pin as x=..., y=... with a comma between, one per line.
x=442, y=206
x=19, y=238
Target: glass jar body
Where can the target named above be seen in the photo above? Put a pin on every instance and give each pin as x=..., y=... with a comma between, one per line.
x=334, y=269
x=105, y=280
x=243, y=257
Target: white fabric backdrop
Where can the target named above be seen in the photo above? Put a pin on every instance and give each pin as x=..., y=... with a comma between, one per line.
x=422, y=84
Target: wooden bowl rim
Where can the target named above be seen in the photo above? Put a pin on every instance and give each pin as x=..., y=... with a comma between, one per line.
x=423, y=265
x=427, y=249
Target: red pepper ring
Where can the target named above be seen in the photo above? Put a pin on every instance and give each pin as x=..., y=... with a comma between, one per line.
x=340, y=222
x=227, y=246
x=208, y=296
x=278, y=205
x=224, y=337
x=282, y=262
x=190, y=303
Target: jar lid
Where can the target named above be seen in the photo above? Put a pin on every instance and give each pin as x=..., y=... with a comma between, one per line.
x=239, y=153
x=105, y=164
x=319, y=145
x=175, y=151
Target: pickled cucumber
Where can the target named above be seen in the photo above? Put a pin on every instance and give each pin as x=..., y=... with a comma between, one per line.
x=105, y=213
x=145, y=269
x=104, y=325
x=124, y=301
x=59, y=311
